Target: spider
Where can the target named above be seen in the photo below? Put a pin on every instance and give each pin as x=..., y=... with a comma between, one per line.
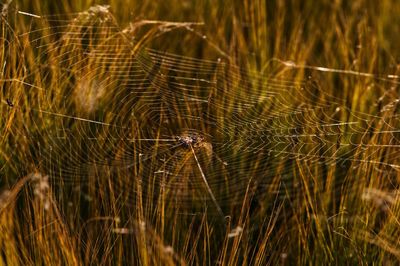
x=190, y=140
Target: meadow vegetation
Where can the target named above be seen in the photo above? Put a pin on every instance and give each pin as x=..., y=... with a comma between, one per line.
x=199, y=132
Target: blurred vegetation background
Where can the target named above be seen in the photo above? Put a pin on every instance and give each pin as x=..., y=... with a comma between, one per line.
x=324, y=213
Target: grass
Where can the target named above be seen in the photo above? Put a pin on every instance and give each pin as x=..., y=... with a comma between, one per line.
x=199, y=133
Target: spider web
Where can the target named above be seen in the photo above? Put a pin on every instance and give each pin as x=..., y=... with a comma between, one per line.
x=106, y=106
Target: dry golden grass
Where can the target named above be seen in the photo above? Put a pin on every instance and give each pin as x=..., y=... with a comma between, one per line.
x=199, y=132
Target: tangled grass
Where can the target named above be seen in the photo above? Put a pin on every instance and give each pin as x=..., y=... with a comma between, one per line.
x=199, y=132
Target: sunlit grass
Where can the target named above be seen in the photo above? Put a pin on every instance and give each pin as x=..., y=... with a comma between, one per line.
x=201, y=133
